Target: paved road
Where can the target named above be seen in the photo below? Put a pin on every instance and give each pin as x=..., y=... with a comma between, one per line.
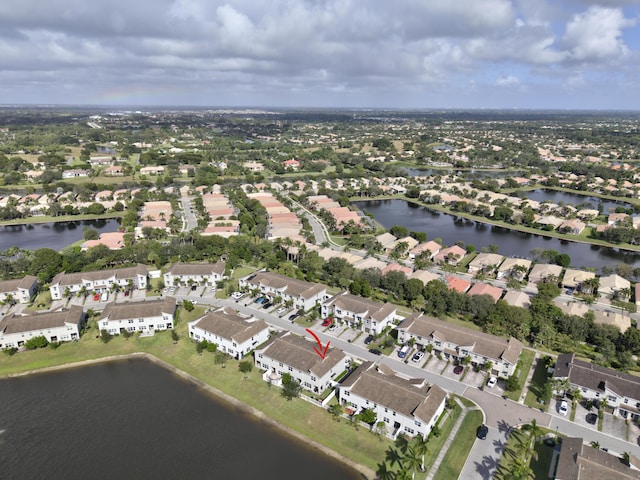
x=319, y=230
x=500, y=414
x=190, y=217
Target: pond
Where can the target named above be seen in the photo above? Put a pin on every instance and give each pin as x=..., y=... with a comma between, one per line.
x=575, y=199
x=510, y=243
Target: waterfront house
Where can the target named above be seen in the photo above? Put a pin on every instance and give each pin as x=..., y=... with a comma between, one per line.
x=234, y=334
x=194, y=274
x=143, y=316
x=385, y=239
x=620, y=390
x=458, y=284
x=485, y=289
x=300, y=294
x=456, y=343
x=21, y=290
x=405, y=405
x=111, y=240
x=514, y=267
x=576, y=278
x=615, y=319
x=617, y=218
x=98, y=281
x=59, y=326
x=572, y=226
x=542, y=272
x=450, y=255
x=578, y=461
x=614, y=285
x=405, y=244
x=485, y=263
x=292, y=354
x=361, y=313
x=431, y=246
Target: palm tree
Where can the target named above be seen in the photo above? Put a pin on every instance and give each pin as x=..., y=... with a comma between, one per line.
x=412, y=461
x=420, y=447
x=402, y=443
x=626, y=458
x=595, y=444
x=393, y=456
x=534, y=432
x=383, y=473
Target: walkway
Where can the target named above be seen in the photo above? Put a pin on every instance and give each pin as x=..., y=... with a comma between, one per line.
x=445, y=448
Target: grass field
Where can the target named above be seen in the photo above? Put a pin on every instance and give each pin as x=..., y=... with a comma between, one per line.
x=456, y=456
x=537, y=388
x=526, y=359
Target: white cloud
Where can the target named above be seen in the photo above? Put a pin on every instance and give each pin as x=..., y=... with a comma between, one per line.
x=508, y=81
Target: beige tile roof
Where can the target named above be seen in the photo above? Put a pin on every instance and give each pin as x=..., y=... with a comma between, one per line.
x=228, y=324
x=13, y=285
x=408, y=397
x=360, y=305
x=291, y=286
x=40, y=321
x=299, y=353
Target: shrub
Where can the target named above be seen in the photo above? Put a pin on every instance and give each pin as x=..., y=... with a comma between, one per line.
x=10, y=350
x=36, y=342
x=105, y=336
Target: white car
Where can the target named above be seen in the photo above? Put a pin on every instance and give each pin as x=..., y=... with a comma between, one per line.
x=281, y=310
x=564, y=408
x=333, y=327
x=492, y=382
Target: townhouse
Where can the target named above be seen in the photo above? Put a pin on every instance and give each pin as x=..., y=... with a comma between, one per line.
x=409, y=406
x=21, y=290
x=620, y=390
x=98, y=281
x=143, y=316
x=289, y=353
x=456, y=342
x=234, y=334
x=59, y=326
x=194, y=273
x=358, y=312
x=300, y=294
x=578, y=461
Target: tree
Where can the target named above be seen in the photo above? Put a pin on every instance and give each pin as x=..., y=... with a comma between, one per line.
x=335, y=410
x=220, y=358
x=174, y=336
x=291, y=388
x=245, y=367
x=36, y=342
x=421, y=447
x=188, y=305
x=383, y=472
x=105, y=336
x=412, y=461
x=368, y=416
x=90, y=234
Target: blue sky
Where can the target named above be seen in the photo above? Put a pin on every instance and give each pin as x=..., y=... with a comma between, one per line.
x=567, y=54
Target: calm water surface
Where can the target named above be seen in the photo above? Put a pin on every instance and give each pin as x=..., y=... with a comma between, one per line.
x=541, y=195
x=511, y=243
x=134, y=420
x=55, y=235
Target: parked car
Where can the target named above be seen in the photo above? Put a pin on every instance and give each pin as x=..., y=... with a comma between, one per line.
x=375, y=351
x=564, y=408
x=333, y=327
x=193, y=288
x=492, y=382
x=327, y=321
x=127, y=292
x=403, y=351
x=96, y=297
x=458, y=369
x=417, y=357
x=369, y=339
x=482, y=431
x=292, y=317
x=281, y=310
x=267, y=304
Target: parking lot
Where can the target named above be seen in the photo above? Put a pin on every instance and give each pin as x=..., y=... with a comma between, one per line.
x=613, y=425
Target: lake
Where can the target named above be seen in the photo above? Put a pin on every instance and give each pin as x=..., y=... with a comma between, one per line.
x=132, y=419
x=511, y=243
x=554, y=196
x=55, y=235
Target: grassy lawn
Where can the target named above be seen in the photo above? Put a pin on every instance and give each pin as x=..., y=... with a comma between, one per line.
x=436, y=443
x=361, y=446
x=456, y=456
x=524, y=365
x=536, y=387
x=242, y=272
x=539, y=463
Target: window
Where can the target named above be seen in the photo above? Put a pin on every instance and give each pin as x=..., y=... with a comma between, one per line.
x=346, y=393
x=313, y=378
x=409, y=430
x=131, y=320
x=291, y=369
x=418, y=424
x=385, y=419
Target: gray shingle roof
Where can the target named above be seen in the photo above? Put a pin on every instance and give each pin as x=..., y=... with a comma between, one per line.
x=364, y=306
x=291, y=286
x=197, y=268
x=119, y=273
x=40, y=321
x=142, y=309
x=226, y=323
x=578, y=461
x=13, y=285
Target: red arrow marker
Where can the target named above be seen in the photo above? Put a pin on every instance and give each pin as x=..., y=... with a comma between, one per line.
x=319, y=349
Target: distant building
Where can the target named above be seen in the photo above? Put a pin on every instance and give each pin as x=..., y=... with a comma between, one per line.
x=59, y=326
x=21, y=290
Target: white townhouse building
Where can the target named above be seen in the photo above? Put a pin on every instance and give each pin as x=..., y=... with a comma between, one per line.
x=59, y=326
x=453, y=341
x=361, y=313
x=233, y=333
x=143, y=316
x=620, y=390
x=409, y=406
x=194, y=273
x=304, y=295
x=289, y=353
x=98, y=281
x=21, y=290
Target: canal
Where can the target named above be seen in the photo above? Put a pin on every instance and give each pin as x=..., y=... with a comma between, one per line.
x=133, y=419
x=451, y=229
x=51, y=235
x=576, y=200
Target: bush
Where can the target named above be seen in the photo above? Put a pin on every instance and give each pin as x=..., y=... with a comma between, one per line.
x=512, y=384
x=105, y=336
x=10, y=350
x=54, y=345
x=36, y=342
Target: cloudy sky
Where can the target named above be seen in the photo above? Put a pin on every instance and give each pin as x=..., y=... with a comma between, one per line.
x=322, y=53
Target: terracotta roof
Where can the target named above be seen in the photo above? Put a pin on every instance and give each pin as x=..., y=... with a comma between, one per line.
x=458, y=284
x=486, y=289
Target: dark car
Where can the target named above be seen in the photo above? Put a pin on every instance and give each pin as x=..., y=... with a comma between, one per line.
x=369, y=339
x=591, y=418
x=267, y=305
x=258, y=300
x=458, y=369
x=375, y=351
x=293, y=316
x=482, y=431
x=193, y=288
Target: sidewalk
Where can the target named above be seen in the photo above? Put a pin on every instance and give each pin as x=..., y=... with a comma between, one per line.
x=445, y=448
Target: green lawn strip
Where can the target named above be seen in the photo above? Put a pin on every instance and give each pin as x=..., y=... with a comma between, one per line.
x=524, y=365
x=541, y=463
x=436, y=443
x=61, y=218
x=243, y=271
x=518, y=439
x=456, y=456
x=313, y=422
x=537, y=387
